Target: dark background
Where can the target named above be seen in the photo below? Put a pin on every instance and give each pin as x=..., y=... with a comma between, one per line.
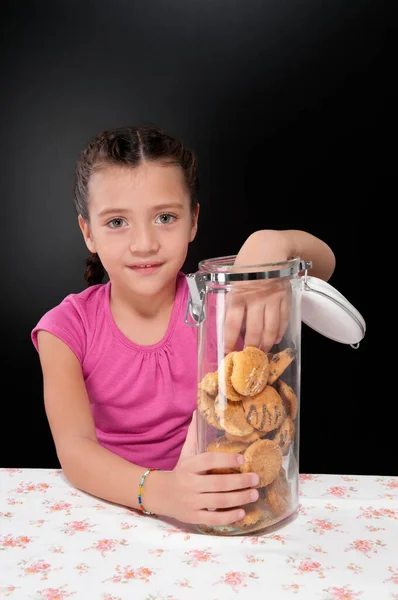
x=287, y=106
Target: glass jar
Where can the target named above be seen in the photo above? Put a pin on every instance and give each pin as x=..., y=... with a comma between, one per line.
x=249, y=396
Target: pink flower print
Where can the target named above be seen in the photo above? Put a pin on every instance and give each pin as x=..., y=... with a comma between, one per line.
x=57, y=549
x=394, y=577
x=307, y=477
x=59, y=593
x=293, y=587
x=310, y=566
x=374, y=529
x=9, y=541
x=110, y=597
x=348, y=479
x=392, y=484
x=27, y=488
x=331, y=507
x=173, y=530
x=342, y=593
x=39, y=567
x=82, y=568
x=78, y=526
x=366, y=546
x=196, y=557
x=105, y=545
x=125, y=525
x=321, y=526
x=252, y=559
x=11, y=471
x=303, y=510
x=339, y=491
x=236, y=579
x=356, y=569
x=317, y=549
x=38, y=523
x=184, y=583
x=53, y=507
x=7, y=515
x=254, y=540
x=277, y=538
x=158, y=552
x=378, y=513
x=13, y=502
x=127, y=573
x=8, y=590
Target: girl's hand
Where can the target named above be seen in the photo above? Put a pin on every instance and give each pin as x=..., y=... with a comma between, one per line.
x=260, y=309
x=190, y=491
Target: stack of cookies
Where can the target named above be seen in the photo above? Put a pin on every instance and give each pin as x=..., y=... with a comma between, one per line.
x=254, y=411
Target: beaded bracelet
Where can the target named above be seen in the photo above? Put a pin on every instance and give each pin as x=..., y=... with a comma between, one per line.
x=140, y=487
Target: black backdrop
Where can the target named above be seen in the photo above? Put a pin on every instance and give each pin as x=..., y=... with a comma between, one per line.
x=286, y=105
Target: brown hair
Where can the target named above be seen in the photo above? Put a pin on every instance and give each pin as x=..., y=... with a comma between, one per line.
x=128, y=146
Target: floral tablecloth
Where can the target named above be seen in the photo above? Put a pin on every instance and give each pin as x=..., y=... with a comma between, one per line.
x=57, y=543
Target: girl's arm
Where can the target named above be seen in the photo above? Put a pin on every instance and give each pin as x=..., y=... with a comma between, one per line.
x=184, y=493
x=269, y=245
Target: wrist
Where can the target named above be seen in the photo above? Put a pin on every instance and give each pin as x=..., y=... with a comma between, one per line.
x=155, y=493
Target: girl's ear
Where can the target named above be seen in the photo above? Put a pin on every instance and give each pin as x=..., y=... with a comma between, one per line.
x=194, y=227
x=85, y=229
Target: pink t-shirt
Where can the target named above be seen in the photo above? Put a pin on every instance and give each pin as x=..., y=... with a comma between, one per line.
x=142, y=397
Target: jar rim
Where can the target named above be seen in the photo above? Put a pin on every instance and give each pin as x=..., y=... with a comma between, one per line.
x=225, y=264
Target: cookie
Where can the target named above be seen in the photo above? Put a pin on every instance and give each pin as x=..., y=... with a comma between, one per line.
x=288, y=396
x=253, y=515
x=265, y=411
x=231, y=416
x=250, y=371
x=224, y=379
x=285, y=434
x=207, y=410
x=277, y=494
x=279, y=363
x=209, y=383
x=251, y=437
x=264, y=458
x=221, y=444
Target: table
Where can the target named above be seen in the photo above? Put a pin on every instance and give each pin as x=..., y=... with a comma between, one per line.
x=58, y=543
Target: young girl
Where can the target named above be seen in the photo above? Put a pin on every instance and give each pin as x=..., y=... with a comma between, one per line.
x=118, y=361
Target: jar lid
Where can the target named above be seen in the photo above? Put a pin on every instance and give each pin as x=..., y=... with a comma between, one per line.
x=328, y=312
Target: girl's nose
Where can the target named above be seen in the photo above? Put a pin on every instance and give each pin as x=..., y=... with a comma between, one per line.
x=143, y=241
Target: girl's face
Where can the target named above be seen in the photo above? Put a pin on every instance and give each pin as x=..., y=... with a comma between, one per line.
x=140, y=224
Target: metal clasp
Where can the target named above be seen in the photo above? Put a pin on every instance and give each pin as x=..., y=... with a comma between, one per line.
x=304, y=266
x=197, y=292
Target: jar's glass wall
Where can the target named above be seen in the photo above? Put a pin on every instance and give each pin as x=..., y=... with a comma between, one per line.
x=249, y=396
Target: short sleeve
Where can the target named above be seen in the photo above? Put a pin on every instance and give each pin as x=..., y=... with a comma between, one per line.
x=66, y=322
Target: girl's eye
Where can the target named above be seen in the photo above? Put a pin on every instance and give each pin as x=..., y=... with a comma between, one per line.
x=166, y=218
x=116, y=223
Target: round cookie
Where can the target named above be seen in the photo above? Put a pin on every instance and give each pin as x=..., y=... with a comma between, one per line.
x=285, y=434
x=250, y=371
x=221, y=444
x=265, y=411
x=231, y=416
x=287, y=394
x=207, y=410
x=252, y=517
x=278, y=494
x=251, y=437
x=264, y=458
x=279, y=363
x=224, y=378
x=209, y=383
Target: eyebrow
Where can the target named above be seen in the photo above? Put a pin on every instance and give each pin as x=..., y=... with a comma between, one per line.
x=172, y=205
